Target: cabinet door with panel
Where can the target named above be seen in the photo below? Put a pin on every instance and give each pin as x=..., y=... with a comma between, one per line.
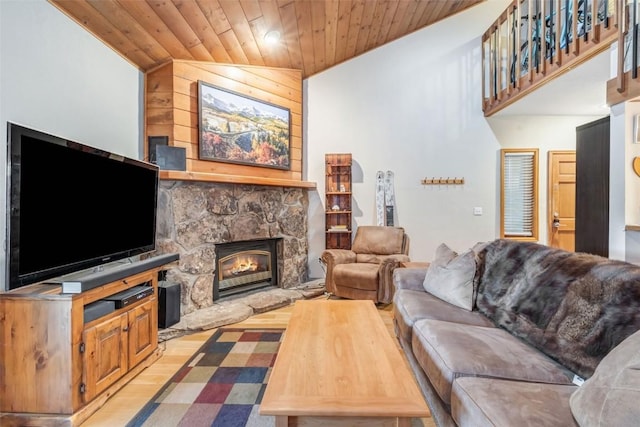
x=105, y=354
x=143, y=334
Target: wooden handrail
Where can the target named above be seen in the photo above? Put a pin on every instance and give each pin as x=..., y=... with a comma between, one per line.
x=557, y=37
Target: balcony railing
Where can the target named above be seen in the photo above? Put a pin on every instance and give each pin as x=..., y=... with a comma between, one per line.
x=534, y=41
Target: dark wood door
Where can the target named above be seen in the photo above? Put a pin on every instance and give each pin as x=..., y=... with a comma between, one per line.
x=592, y=187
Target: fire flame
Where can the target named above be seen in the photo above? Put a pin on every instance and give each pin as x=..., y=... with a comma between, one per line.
x=244, y=264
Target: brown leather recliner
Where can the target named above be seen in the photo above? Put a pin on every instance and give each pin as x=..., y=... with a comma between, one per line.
x=365, y=271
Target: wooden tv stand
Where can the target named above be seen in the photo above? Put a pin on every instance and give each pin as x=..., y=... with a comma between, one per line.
x=57, y=369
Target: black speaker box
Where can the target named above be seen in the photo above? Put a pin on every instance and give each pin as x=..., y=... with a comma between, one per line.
x=155, y=141
x=168, y=304
x=172, y=158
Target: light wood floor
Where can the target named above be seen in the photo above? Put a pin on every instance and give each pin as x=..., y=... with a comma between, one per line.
x=130, y=399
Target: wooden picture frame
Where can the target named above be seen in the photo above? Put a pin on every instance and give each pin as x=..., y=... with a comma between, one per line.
x=236, y=128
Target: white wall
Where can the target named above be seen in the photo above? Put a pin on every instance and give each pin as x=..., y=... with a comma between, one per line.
x=632, y=150
x=57, y=78
x=617, y=220
x=624, y=184
x=413, y=107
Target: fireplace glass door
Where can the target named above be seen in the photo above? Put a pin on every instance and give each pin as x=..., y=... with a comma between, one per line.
x=244, y=266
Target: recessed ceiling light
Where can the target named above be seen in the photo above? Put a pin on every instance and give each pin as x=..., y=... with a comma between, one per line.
x=272, y=37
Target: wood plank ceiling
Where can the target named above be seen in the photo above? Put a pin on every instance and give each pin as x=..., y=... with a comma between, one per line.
x=315, y=34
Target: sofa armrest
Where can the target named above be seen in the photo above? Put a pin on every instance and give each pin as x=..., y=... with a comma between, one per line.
x=385, y=277
x=331, y=258
x=409, y=278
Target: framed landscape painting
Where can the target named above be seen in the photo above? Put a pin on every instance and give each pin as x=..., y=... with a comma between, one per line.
x=236, y=128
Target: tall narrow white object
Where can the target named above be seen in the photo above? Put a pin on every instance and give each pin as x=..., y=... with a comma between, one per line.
x=389, y=199
x=380, y=199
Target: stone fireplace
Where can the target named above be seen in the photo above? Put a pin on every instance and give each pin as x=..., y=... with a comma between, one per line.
x=196, y=219
x=245, y=266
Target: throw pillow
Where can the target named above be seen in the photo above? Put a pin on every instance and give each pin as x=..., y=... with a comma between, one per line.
x=452, y=281
x=610, y=397
x=444, y=254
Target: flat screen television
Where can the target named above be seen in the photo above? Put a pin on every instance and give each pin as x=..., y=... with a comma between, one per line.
x=71, y=207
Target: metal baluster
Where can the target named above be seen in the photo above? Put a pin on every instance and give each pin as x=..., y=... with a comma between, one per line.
x=530, y=59
x=568, y=28
x=513, y=65
x=518, y=41
x=537, y=35
x=551, y=44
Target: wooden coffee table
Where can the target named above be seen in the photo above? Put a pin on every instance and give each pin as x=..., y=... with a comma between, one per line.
x=338, y=365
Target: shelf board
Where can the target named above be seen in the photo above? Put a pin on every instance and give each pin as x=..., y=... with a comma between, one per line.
x=338, y=231
x=338, y=212
x=338, y=193
x=630, y=227
x=233, y=179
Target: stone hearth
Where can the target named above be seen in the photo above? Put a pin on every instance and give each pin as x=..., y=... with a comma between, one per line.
x=236, y=309
x=194, y=216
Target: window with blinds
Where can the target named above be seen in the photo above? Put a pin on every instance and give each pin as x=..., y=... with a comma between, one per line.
x=519, y=194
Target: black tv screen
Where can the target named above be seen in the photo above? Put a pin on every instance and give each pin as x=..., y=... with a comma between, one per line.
x=72, y=206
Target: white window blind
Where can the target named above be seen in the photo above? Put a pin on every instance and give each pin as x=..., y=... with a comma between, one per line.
x=519, y=203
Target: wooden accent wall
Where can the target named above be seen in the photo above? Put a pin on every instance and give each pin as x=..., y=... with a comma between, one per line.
x=172, y=109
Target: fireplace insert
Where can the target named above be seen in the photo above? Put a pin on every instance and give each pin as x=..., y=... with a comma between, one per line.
x=244, y=266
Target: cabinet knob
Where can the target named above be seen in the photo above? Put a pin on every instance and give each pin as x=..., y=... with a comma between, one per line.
x=125, y=329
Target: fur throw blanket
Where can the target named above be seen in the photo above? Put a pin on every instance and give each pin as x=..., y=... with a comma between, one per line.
x=574, y=307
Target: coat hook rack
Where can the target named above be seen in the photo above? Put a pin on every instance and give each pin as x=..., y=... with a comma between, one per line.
x=442, y=181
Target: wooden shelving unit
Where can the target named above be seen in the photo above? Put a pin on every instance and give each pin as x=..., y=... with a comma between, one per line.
x=338, y=201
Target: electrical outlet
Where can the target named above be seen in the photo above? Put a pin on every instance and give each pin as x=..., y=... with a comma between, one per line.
x=477, y=211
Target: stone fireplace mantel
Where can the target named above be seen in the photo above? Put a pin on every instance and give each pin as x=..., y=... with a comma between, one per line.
x=233, y=179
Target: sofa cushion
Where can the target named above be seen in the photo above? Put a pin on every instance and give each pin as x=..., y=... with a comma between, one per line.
x=447, y=350
x=574, y=307
x=357, y=275
x=498, y=402
x=371, y=239
x=453, y=281
x=611, y=396
x=410, y=306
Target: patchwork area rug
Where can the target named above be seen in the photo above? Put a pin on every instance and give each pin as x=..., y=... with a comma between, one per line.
x=221, y=385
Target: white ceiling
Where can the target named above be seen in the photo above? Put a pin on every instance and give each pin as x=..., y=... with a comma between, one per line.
x=579, y=92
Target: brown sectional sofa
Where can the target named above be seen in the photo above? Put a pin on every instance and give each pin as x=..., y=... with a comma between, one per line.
x=534, y=318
